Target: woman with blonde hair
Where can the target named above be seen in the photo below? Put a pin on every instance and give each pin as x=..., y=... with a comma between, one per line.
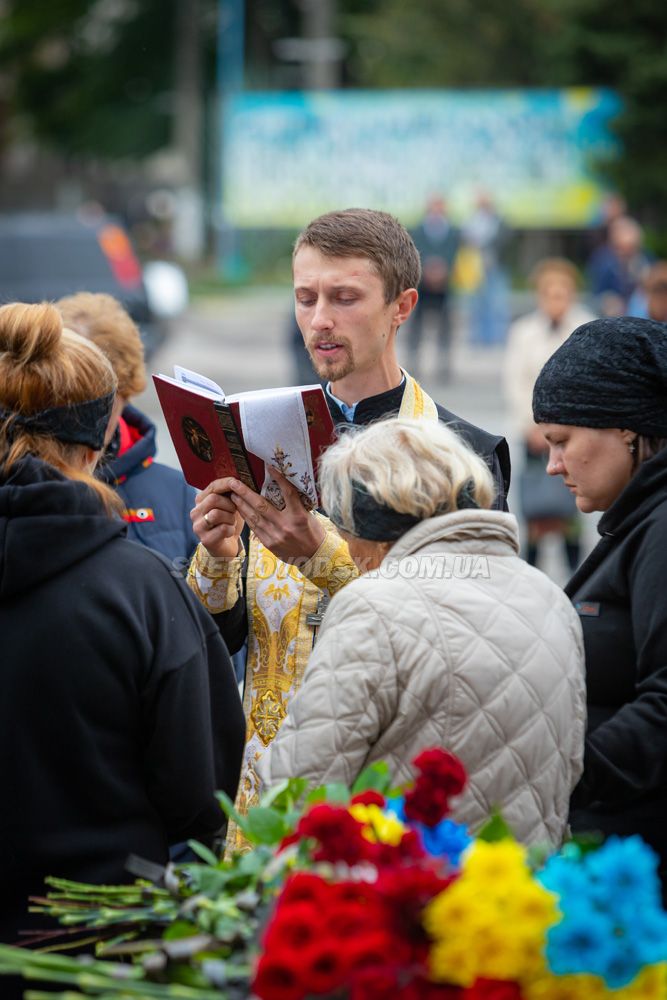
x=120, y=715
x=446, y=639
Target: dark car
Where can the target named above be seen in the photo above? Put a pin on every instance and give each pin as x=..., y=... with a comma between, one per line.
x=47, y=256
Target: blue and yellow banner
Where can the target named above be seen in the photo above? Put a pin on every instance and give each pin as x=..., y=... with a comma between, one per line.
x=290, y=156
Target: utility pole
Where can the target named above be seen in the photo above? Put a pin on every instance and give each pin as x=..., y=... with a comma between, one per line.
x=230, y=79
x=188, y=234
x=321, y=69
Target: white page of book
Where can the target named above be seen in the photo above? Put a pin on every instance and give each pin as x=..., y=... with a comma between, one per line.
x=198, y=390
x=289, y=390
x=275, y=429
x=195, y=380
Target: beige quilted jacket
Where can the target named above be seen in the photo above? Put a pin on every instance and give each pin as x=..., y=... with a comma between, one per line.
x=454, y=642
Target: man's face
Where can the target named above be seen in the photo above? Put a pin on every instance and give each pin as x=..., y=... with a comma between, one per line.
x=345, y=322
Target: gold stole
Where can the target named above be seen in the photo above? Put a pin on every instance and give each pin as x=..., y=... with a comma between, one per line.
x=279, y=599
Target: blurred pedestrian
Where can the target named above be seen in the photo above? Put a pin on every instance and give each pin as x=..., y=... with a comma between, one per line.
x=600, y=402
x=547, y=506
x=655, y=288
x=447, y=638
x=120, y=715
x=486, y=232
x=156, y=499
x=355, y=278
x=616, y=268
x=437, y=241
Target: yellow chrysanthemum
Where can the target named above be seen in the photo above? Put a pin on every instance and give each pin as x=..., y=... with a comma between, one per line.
x=378, y=826
x=548, y=987
x=462, y=905
x=650, y=984
x=533, y=904
x=453, y=962
x=500, y=862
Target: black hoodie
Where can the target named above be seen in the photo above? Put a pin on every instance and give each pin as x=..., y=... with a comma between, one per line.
x=119, y=713
x=621, y=596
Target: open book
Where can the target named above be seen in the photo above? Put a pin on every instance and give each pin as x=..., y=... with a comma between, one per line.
x=245, y=435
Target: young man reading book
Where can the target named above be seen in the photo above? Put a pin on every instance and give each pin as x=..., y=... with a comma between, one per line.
x=355, y=278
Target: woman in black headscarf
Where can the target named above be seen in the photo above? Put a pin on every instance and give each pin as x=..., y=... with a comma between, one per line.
x=601, y=401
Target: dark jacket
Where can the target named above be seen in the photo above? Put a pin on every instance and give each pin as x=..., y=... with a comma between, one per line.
x=120, y=714
x=620, y=595
x=157, y=499
x=492, y=448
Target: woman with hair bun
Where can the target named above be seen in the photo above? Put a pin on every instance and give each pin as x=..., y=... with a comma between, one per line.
x=120, y=714
x=446, y=639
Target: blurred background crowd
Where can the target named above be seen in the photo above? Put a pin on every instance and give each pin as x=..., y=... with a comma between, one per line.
x=168, y=151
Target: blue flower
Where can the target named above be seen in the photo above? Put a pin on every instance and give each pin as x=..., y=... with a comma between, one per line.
x=582, y=942
x=446, y=840
x=625, y=871
x=623, y=964
x=648, y=932
x=564, y=876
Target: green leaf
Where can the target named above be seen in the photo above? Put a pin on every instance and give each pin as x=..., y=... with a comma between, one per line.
x=274, y=793
x=375, y=777
x=317, y=795
x=495, y=829
x=180, y=929
x=203, y=852
x=285, y=794
x=264, y=826
x=230, y=811
x=337, y=792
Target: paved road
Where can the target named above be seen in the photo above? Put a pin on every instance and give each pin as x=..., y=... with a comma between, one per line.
x=242, y=341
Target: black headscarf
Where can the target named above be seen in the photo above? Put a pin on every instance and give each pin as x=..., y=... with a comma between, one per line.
x=608, y=373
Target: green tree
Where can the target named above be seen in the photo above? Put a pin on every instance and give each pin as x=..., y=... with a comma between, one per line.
x=90, y=78
x=624, y=46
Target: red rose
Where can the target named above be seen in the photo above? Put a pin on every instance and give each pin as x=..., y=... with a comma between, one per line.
x=338, y=834
x=408, y=849
x=423, y=989
x=368, y=798
x=427, y=802
x=294, y=925
x=374, y=984
x=444, y=766
x=345, y=920
x=278, y=979
x=493, y=989
x=405, y=892
x=323, y=967
x=441, y=775
x=373, y=949
x=304, y=887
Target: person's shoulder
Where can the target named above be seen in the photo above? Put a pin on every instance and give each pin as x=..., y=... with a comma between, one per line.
x=482, y=441
x=168, y=475
x=524, y=328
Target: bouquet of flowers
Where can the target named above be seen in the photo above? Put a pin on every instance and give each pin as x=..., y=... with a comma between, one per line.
x=370, y=894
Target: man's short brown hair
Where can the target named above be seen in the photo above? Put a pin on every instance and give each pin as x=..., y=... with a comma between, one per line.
x=363, y=232
x=102, y=319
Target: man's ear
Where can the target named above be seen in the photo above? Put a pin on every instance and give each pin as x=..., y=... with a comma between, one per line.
x=405, y=303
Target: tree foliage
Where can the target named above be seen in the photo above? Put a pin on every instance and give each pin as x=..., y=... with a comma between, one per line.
x=96, y=77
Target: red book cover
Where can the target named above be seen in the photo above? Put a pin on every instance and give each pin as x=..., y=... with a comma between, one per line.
x=208, y=438
x=203, y=437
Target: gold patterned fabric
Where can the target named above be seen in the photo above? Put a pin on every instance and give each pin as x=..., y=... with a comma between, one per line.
x=280, y=598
